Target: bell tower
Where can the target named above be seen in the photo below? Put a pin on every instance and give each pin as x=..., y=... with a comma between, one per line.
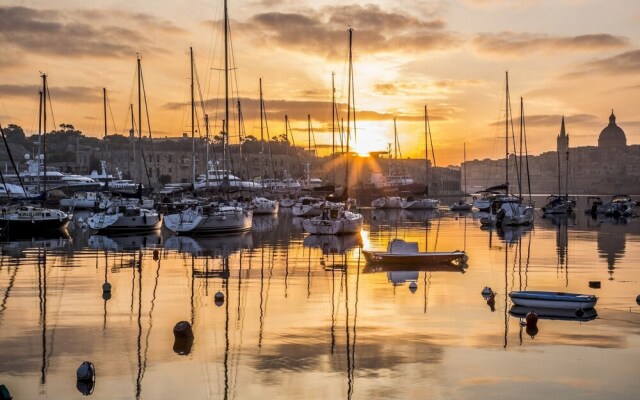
x=563, y=140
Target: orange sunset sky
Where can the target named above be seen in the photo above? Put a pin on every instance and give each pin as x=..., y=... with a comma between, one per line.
x=576, y=58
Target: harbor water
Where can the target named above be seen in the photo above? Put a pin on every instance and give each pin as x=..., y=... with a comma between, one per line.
x=305, y=317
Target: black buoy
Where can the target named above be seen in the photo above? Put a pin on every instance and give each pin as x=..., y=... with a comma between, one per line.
x=86, y=378
x=182, y=330
x=595, y=284
x=638, y=300
x=183, y=338
x=413, y=286
x=106, y=287
x=156, y=255
x=4, y=393
x=218, y=298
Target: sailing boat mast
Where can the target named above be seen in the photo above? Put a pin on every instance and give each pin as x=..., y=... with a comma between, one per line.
x=193, y=129
x=506, y=133
x=350, y=94
x=139, y=113
x=261, y=131
x=104, y=108
x=464, y=176
x=426, y=154
x=225, y=128
x=333, y=121
x=44, y=131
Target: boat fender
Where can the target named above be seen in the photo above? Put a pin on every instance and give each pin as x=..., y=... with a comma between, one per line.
x=86, y=372
x=465, y=258
x=413, y=286
x=155, y=255
x=218, y=298
x=579, y=313
x=182, y=330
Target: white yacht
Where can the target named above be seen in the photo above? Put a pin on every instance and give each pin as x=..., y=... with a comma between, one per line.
x=508, y=211
x=388, y=202
x=264, y=206
x=85, y=200
x=420, y=204
x=209, y=219
x=125, y=219
x=308, y=206
x=334, y=221
x=218, y=178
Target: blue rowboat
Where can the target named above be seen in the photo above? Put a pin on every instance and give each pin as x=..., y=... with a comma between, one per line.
x=570, y=301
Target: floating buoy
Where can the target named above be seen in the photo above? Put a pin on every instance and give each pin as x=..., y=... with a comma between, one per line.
x=156, y=255
x=638, y=300
x=106, y=287
x=182, y=330
x=531, y=318
x=4, y=393
x=86, y=378
x=532, y=331
x=183, y=335
x=486, y=292
x=595, y=284
x=413, y=287
x=218, y=298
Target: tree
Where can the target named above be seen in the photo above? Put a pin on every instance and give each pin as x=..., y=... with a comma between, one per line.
x=14, y=133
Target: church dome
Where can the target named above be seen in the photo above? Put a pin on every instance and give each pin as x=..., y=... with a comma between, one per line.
x=612, y=136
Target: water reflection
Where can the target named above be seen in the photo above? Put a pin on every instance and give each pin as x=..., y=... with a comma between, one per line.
x=611, y=244
x=304, y=313
x=125, y=242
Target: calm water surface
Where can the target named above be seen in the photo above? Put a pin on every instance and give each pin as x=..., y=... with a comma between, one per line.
x=304, y=317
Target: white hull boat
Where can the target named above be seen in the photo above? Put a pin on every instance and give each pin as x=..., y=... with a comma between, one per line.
x=421, y=204
x=540, y=299
x=263, y=206
x=125, y=219
x=334, y=221
x=510, y=214
x=207, y=220
x=85, y=200
x=308, y=207
x=389, y=202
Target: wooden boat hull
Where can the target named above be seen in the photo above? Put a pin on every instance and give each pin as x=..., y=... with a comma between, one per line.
x=379, y=257
x=539, y=299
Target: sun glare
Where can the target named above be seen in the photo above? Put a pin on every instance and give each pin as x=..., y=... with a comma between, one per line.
x=372, y=136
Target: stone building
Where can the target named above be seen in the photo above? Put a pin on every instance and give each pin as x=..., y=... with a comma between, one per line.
x=611, y=167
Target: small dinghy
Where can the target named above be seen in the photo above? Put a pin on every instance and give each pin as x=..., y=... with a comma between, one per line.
x=407, y=253
x=540, y=299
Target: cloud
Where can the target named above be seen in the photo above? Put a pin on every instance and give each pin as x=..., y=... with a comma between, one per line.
x=375, y=31
x=623, y=63
x=512, y=43
x=73, y=94
x=552, y=121
x=84, y=33
x=419, y=89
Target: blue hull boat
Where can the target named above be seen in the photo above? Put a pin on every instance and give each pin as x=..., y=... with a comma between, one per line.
x=540, y=299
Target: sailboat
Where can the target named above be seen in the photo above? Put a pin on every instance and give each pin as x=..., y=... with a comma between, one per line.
x=424, y=203
x=30, y=220
x=336, y=219
x=507, y=210
x=215, y=217
x=561, y=204
x=462, y=204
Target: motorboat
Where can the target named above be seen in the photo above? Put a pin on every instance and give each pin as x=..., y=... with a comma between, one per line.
x=334, y=221
x=620, y=205
x=125, y=219
x=542, y=299
x=264, y=206
x=558, y=205
x=308, y=206
x=420, y=204
x=388, y=202
x=482, y=200
x=30, y=220
x=400, y=252
x=85, y=200
x=212, y=218
x=461, y=205
x=507, y=210
x=223, y=179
